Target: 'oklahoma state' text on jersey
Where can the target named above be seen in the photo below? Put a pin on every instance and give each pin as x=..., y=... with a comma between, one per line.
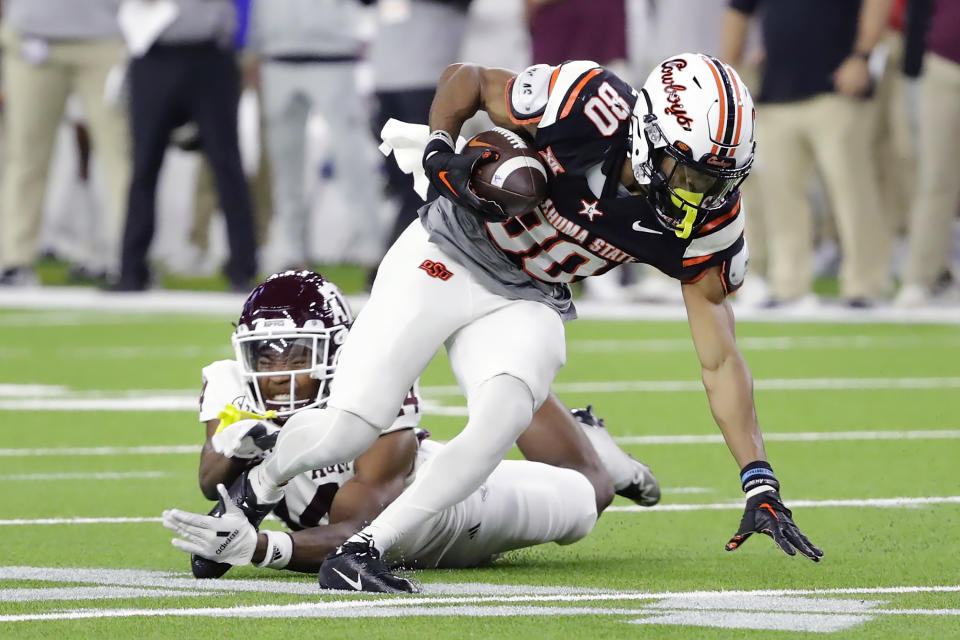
x=588, y=224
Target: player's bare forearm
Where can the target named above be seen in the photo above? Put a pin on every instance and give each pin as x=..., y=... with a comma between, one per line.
x=216, y=468
x=465, y=89
x=726, y=377
x=730, y=392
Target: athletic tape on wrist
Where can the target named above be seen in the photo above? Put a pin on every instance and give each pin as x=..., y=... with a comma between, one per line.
x=440, y=141
x=756, y=474
x=758, y=490
x=279, y=550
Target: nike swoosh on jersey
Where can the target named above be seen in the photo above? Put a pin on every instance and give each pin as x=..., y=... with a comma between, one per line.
x=356, y=584
x=639, y=227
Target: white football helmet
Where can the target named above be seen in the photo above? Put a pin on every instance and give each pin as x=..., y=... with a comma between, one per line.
x=692, y=138
x=292, y=324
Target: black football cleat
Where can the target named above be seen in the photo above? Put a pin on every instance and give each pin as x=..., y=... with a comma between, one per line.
x=242, y=495
x=356, y=566
x=644, y=488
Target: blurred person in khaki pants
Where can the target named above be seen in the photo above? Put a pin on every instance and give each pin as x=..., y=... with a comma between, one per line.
x=895, y=137
x=931, y=224
x=52, y=48
x=815, y=109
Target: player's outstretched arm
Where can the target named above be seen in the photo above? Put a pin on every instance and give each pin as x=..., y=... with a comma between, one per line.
x=729, y=387
x=379, y=478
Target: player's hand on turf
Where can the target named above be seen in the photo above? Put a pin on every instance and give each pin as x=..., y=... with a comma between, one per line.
x=450, y=172
x=246, y=439
x=228, y=538
x=766, y=513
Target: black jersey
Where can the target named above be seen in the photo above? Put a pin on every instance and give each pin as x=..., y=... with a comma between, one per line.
x=588, y=223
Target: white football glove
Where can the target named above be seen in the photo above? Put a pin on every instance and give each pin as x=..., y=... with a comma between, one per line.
x=249, y=438
x=228, y=538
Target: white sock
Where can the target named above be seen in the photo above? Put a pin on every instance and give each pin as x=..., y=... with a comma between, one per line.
x=311, y=439
x=500, y=409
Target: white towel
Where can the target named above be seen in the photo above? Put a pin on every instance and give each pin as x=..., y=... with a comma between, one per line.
x=407, y=141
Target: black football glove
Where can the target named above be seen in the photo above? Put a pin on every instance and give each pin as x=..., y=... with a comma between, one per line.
x=449, y=173
x=766, y=513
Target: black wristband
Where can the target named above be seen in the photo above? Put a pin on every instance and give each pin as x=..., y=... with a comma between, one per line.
x=863, y=55
x=758, y=473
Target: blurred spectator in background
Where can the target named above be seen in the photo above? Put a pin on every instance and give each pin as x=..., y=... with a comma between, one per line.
x=894, y=138
x=308, y=53
x=196, y=258
x=415, y=41
x=933, y=215
x=814, y=109
x=189, y=73
x=562, y=30
x=53, y=48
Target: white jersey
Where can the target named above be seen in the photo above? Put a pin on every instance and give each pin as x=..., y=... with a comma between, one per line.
x=308, y=496
x=521, y=504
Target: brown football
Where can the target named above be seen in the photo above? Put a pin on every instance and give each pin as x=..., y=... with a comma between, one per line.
x=516, y=180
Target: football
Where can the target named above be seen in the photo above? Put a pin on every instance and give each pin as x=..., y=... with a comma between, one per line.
x=516, y=180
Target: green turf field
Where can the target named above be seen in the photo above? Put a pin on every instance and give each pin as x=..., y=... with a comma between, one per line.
x=99, y=435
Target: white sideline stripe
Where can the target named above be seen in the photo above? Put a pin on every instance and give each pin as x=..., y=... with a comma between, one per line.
x=733, y=505
x=127, y=475
x=226, y=306
x=367, y=606
x=803, y=436
x=768, y=343
x=737, y=505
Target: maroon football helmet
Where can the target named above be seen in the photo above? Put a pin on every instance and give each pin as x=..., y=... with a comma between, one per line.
x=292, y=324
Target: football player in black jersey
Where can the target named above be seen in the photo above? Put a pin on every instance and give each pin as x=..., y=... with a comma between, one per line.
x=649, y=176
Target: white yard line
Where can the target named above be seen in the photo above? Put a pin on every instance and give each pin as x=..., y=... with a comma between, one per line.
x=61, y=521
x=120, y=475
x=732, y=505
x=769, y=343
x=468, y=606
x=102, y=451
x=761, y=384
x=803, y=436
x=737, y=505
x=58, y=398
